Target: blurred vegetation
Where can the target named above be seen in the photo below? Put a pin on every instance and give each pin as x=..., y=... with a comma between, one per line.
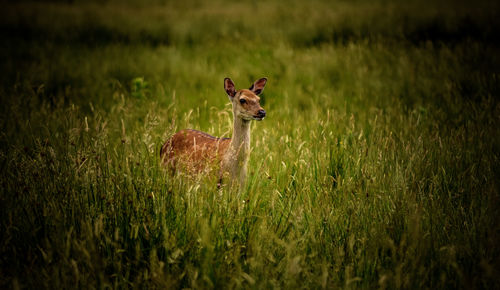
x=377, y=165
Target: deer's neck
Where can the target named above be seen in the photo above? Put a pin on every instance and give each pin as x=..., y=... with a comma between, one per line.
x=240, y=142
x=239, y=149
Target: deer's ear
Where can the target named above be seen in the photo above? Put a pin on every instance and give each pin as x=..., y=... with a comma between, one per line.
x=229, y=87
x=258, y=87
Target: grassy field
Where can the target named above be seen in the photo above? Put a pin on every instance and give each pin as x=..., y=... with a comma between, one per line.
x=377, y=165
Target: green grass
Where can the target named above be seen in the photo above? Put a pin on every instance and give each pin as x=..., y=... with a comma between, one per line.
x=377, y=166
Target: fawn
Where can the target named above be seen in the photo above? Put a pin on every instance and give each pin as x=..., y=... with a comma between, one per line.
x=198, y=151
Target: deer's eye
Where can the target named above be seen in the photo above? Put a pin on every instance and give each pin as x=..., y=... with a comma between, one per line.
x=243, y=101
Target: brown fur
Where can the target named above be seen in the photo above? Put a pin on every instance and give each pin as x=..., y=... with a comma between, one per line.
x=194, y=149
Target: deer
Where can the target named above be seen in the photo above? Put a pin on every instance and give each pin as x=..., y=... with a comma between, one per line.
x=198, y=151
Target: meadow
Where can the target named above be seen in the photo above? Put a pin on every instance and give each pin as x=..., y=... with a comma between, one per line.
x=377, y=165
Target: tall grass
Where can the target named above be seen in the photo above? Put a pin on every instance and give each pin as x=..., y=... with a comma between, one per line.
x=376, y=167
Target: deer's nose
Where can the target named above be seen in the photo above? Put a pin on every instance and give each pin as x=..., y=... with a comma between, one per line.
x=261, y=113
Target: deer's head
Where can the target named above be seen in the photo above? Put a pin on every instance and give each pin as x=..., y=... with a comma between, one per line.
x=246, y=103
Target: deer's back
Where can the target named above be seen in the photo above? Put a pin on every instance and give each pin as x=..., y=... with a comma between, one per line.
x=194, y=149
